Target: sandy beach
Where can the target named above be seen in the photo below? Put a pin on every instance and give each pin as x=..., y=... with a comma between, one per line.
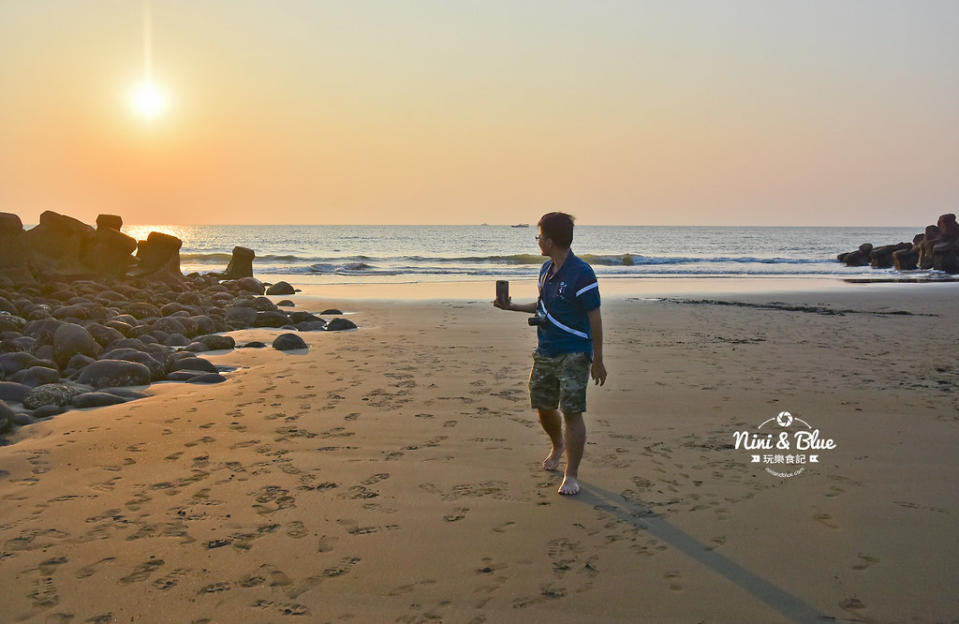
x=392, y=474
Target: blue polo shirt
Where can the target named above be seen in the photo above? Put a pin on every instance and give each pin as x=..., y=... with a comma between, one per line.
x=564, y=299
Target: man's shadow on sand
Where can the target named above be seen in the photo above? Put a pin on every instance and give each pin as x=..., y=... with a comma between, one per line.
x=644, y=518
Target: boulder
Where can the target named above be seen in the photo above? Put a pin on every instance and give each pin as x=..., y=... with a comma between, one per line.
x=931, y=237
x=240, y=316
x=206, y=378
x=948, y=227
x=159, y=258
x=14, y=258
x=46, y=411
x=262, y=304
x=36, y=376
x=113, y=222
x=176, y=340
x=271, y=319
x=331, y=311
x=286, y=303
x=157, y=367
x=104, y=335
x=11, y=323
x=70, y=339
x=252, y=285
x=57, y=244
x=882, y=257
x=119, y=326
x=203, y=324
x=82, y=311
x=906, y=259
x=255, y=344
x=339, y=324
x=860, y=257
x=289, y=342
x=215, y=342
x=43, y=330
x=241, y=264
x=300, y=317
x=12, y=391
x=78, y=361
x=6, y=417
x=946, y=257
x=280, y=288
x=319, y=325
x=10, y=363
x=6, y=305
x=185, y=375
x=115, y=373
x=194, y=363
x=142, y=310
x=169, y=324
x=57, y=394
x=97, y=399
x=111, y=252
x=126, y=393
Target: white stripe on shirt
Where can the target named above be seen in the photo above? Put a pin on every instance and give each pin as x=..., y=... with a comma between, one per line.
x=585, y=288
x=575, y=332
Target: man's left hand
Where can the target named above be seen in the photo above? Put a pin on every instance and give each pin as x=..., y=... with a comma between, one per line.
x=598, y=372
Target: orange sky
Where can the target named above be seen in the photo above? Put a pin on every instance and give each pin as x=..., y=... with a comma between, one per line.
x=740, y=113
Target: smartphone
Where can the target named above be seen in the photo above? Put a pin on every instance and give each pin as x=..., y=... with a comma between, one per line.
x=502, y=291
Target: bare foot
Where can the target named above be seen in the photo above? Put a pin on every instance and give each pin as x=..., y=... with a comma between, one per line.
x=569, y=486
x=552, y=460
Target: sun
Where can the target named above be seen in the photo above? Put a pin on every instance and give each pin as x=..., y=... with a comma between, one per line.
x=148, y=100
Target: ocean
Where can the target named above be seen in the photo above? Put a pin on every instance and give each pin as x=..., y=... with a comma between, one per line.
x=396, y=254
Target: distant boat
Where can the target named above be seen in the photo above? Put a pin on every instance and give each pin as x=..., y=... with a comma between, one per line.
x=520, y=225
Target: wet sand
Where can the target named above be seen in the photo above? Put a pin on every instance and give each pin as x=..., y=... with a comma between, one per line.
x=392, y=474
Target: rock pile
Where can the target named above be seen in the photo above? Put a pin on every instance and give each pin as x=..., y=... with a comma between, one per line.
x=936, y=248
x=81, y=319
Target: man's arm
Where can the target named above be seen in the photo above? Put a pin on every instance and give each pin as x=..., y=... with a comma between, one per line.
x=529, y=308
x=598, y=371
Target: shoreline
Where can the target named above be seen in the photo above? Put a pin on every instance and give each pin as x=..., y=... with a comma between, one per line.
x=611, y=288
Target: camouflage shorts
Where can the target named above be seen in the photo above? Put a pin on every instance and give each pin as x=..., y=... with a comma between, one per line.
x=559, y=381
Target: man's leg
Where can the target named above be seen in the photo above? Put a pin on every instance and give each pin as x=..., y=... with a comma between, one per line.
x=553, y=426
x=575, y=443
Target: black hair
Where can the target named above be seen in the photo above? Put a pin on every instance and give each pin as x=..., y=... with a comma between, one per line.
x=558, y=227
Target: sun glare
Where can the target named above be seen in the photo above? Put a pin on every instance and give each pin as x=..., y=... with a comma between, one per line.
x=148, y=100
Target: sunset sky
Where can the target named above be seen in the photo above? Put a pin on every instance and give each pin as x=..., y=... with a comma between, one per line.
x=684, y=113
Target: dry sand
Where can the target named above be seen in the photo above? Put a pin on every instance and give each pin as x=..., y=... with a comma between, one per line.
x=392, y=474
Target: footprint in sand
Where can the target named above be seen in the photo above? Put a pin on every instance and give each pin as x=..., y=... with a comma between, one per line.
x=296, y=530
x=381, y=476
x=216, y=588
x=827, y=520
x=674, y=579
x=325, y=544
x=458, y=514
x=49, y=566
x=852, y=604
x=867, y=561
x=142, y=572
x=170, y=580
x=89, y=570
x=44, y=593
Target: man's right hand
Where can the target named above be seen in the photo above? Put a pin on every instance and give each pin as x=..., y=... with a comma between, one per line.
x=503, y=306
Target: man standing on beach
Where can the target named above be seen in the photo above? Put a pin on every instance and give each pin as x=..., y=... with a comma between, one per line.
x=570, y=333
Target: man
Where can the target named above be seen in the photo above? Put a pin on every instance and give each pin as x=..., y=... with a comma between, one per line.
x=570, y=337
